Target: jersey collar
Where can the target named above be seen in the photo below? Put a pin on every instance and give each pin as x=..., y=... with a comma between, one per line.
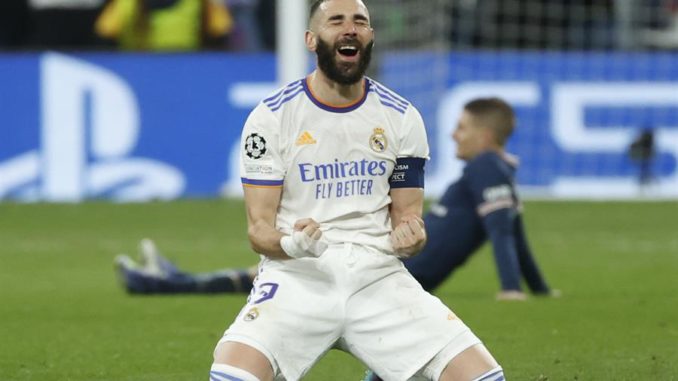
x=336, y=108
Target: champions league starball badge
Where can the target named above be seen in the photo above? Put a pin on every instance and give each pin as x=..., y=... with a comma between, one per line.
x=255, y=146
x=378, y=140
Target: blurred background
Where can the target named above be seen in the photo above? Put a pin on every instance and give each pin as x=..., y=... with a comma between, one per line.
x=140, y=100
x=135, y=100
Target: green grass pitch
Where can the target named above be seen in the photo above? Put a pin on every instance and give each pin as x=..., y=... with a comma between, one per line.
x=63, y=316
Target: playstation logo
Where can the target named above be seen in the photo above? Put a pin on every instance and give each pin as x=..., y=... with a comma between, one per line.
x=90, y=126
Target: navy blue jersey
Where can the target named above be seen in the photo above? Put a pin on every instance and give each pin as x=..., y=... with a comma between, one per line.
x=482, y=205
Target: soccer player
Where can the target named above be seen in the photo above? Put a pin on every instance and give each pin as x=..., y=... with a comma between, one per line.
x=155, y=274
x=332, y=169
x=482, y=205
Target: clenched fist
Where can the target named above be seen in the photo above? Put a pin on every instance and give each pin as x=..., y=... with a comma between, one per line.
x=304, y=241
x=409, y=236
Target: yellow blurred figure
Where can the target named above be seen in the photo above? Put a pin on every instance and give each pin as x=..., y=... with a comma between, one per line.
x=164, y=25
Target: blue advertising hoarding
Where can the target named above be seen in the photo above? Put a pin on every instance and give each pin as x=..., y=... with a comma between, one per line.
x=122, y=127
x=141, y=127
x=577, y=114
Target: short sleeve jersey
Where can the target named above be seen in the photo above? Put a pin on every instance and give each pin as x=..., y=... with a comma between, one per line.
x=457, y=223
x=334, y=164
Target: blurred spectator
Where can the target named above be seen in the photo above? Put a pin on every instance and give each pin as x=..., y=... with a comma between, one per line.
x=165, y=25
x=14, y=23
x=533, y=24
x=245, y=35
x=64, y=24
x=658, y=22
x=642, y=151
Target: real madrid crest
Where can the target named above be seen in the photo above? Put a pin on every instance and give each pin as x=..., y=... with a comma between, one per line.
x=251, y=314
x=378, y=140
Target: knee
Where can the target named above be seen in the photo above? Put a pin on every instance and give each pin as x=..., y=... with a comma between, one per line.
x=242, y=361
x=225, y=372
x=495, y=374
x=474, y=363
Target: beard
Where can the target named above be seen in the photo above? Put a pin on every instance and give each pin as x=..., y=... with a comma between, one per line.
x=344, y=73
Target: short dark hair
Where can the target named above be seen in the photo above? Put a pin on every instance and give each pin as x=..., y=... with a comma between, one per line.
x=315, y=4
x=495, y=114
x=314, y=8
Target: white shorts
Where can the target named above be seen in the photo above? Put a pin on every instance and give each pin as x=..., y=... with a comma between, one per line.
x=352, y=298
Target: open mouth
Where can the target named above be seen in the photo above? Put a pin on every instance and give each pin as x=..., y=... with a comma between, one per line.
x=348, y=51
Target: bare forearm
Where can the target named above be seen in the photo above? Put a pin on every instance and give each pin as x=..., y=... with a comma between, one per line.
x=265, y=240
x=406, y=202
x=262, y=205
x=409, y=234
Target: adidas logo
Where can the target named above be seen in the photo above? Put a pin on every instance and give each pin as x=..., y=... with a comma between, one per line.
x=304, y=139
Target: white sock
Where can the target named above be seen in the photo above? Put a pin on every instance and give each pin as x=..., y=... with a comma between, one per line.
x=223, y=372
x=496, y=374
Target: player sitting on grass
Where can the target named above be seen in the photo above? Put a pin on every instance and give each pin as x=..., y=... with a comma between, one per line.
x=482, y=205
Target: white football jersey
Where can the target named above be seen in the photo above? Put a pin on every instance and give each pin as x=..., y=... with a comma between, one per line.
x=334, y=164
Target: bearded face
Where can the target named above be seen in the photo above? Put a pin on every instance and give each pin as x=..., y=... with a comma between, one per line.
x=344, y=62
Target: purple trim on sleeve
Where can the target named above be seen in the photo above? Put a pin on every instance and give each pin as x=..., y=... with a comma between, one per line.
x=261, y=183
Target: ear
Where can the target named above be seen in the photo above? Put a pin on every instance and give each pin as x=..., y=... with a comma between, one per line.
x=311, y=40
x=490, y=137
x=488, y=134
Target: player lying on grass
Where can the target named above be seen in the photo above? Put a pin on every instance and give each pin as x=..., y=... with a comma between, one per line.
x=481, y=206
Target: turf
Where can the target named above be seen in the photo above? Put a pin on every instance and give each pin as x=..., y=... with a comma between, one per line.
x=63, y=316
